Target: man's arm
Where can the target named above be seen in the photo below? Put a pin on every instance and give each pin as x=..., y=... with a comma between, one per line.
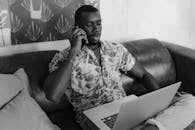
x=143, y=76
x=57, y=82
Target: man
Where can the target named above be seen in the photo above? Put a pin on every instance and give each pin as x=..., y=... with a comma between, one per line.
x=89, y=72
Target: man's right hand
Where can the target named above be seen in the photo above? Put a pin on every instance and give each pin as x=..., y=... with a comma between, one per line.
x=150, y=127
x=78, y=35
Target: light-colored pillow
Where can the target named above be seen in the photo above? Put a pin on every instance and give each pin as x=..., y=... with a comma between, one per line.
x=23, y=113
x=21, y=74
x=11, y=84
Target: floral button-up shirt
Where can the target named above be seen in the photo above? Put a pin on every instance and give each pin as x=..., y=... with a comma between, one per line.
x=94, y=83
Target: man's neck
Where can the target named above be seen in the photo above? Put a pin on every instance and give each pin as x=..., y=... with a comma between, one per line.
x=94, y=46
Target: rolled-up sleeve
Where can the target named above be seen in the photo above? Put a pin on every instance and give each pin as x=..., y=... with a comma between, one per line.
x=58, y=57
x=127, y=60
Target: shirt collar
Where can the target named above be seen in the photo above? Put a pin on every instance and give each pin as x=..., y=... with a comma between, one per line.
x=85, y=47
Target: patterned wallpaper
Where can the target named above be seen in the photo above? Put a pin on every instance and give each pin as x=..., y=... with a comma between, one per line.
x=43, y=20
x=5, y=38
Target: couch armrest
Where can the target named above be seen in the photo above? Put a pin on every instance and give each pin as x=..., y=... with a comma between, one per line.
x=184, y=59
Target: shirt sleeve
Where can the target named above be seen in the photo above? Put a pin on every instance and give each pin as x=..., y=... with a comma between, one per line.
x=58, y=57
x=127, y=60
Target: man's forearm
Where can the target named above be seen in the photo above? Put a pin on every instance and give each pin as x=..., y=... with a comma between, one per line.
x=139, y=73
x=57, y=82
x=149, y=82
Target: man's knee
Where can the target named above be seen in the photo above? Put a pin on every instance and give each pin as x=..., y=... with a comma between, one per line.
x=186, y=99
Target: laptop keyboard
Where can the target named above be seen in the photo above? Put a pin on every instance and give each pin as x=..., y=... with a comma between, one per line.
x=110, y=120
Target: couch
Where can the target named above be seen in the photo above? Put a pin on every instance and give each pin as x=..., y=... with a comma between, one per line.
x=167, y=62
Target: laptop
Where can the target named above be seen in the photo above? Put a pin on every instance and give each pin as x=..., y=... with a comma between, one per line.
x=129, y=112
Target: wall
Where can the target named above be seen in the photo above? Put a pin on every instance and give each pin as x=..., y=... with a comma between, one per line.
x=5, y=27
x=168, y=20
x=43, y=20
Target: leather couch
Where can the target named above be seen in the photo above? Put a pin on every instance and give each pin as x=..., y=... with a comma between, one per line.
x=167, y=62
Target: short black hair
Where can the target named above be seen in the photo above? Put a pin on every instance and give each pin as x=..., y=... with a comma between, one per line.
x=80, y=10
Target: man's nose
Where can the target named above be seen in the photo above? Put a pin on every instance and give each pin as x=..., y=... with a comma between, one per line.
x=96, y=27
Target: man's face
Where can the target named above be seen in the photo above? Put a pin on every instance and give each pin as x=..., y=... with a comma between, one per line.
x=91, y=24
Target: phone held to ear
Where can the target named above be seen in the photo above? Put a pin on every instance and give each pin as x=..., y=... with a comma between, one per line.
x=85, y=41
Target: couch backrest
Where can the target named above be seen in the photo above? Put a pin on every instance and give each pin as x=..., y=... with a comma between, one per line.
x=156, y=60
x=149, y=52
x=35, y=64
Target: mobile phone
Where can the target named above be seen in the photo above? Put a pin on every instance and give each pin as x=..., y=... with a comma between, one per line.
x=85, y=40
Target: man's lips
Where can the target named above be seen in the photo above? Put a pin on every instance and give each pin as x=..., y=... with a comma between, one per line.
x=95, y=35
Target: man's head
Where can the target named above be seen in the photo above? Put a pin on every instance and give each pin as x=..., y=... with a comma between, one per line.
x=88, y=18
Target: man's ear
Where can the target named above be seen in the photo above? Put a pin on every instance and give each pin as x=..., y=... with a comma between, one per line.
x=75, y=24
x=78, y=25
